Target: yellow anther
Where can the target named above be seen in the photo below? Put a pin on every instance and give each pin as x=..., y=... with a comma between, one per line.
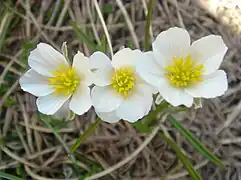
x=65, y=81
x=123, y=81
x=184, y=72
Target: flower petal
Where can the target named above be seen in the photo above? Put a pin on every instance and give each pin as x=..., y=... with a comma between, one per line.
x=35, y=83
x=125, y=58
x=209, y=51
x=82, y=68
x=149, y=69
x=80, y=102
x=51, y=103
x=101, y=68
x=46, y=60
x=213, y=85
x=136, y=106
x=175, y=96
x=63, y=112
x=105, y=99
x=109, y=117
x=147, y=63
x=174, y=42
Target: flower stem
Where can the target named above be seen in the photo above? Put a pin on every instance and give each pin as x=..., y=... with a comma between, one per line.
x=86, y=134
x=72, y=157
x=148, y=24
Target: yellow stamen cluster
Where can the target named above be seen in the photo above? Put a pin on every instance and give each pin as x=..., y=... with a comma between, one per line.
x=65, y=81
x=184, y=72
x=123, y=81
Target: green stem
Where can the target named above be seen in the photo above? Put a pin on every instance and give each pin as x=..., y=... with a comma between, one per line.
x=148, y=24
x=72, y=157
x=9, y=176
x=86, y=134
x=186, y=162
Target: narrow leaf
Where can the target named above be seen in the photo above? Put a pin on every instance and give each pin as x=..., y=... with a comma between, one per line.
x=152, y=115
x=103, y=45
x=144, y=125
x=84, y=38
x=86, y=134
x=186, y=162
x=5, y=24
x=194, y=141
x=148, y=24
x=9, y=176
x=46, y=120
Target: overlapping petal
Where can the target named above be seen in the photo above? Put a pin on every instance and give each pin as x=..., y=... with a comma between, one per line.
x=46, y=60
x=101, y=69
x=81, y=102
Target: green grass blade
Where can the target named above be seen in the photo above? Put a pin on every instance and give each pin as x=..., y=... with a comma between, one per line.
x=83, y=38
x=186, y=162
x=152, y=115
x=57, y=135
x=9, y=176
x=144, y=126
x=103, y=45
x=5, y=23
x=148, y=24
x=194, y=141
x=86, y=134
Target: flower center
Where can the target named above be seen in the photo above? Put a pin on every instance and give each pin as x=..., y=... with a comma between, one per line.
x=65, y=81
x=184, y=72
x=123, y=81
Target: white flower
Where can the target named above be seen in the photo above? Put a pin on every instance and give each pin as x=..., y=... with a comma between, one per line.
x=58, y=85
x=181, y=71
x=120, y=93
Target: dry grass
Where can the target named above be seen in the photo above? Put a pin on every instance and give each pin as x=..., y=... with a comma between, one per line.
x=33, y=152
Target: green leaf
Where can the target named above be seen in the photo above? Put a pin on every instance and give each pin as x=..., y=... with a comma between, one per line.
x=103, y=45
x=2, y=142
x=194, y=141
x=5, y=23
x=148, y=25
x=107, y=8
x=9, y=101
x=142, y=127
x=84, y=38
x=86, y=134
x=152, y=115
x=186, y=162
x=26, y=46
x=130, y=44
x=47, y=120
x=9, y=176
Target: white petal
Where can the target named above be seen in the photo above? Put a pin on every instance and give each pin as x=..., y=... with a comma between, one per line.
x=46, y=60
x=125, y=58
x=156, y=80
x=149, y=70
x=101, y=68
x=51, y=103
x=35, y=83
x=174, y=42
x=136, y=106
x=104, y=99
x=82, y=68
x=175, y=96
x=81, y=101
x=209, y=51
x=63, y=112
x=109, y=117
x=213, y=85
